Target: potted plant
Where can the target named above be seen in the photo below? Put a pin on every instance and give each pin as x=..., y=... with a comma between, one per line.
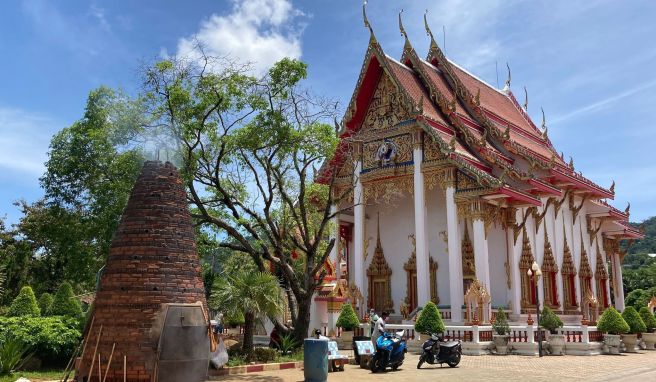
x=612, y=325
x=430, y=320
x=550, y=321
x=636, y=326
x=648, y=337
x=502, y=329
x=348, y=321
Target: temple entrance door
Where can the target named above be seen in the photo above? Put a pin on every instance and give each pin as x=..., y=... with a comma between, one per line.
x=380, y=295
x=412, y=304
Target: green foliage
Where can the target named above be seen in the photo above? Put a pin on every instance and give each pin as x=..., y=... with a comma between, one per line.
x=45, y=303
x=648, y=318
x=13, y=353
x=611, y=322
x=65, y=303
x=264, y=355
x=53, y=339
x=347, y=319
x=234, y=318
x=646, y=245
x=500, y=324
x=287, y=344
x=430, y=320
x=638, y=298
x=550, y=320
x=250, y=294
x=24, y=304
x=633, y=319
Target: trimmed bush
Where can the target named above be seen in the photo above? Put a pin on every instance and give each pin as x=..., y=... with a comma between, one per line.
x=430, y=320
x=500, y=324
x=264, y=355
x=631, y=316
x=611, y=322
x=24, y=304
x=648, y=318
x=65, y=303
x=53, y=339
x=45, y=302
x=550, y=320
x=348, y=320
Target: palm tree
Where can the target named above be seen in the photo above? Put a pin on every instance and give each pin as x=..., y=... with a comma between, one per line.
x=250, y=293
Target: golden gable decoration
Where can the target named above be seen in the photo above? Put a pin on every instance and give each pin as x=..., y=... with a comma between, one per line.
x=477, y=301
x=525, y=262
x=387, y=107
x=468, y=260
x=549, y=272
x=380, y=274
x=568, y=271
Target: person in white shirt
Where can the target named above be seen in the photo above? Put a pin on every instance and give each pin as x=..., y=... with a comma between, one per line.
x=380, y=327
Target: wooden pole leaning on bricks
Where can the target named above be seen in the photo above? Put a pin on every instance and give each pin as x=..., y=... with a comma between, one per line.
x=125, y=368
x=71, y=363
x=109, y=363
x=93, y=358
x=99, y=371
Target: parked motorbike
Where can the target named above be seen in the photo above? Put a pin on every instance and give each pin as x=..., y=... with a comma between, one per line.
x=435, y=351
x=390, y=352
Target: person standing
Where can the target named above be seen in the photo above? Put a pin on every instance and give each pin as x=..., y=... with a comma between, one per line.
x=379, y=329
x=373, y=317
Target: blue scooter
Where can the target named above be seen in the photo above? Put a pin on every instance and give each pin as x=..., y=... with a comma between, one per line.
x=390, y=351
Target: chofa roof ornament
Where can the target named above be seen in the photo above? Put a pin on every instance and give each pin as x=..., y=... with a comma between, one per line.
x=506, y=88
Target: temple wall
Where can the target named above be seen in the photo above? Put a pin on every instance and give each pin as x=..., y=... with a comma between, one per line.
x=497, y=250
x=437, y=247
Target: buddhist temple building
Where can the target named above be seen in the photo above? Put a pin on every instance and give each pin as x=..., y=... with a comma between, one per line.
x=453, y=185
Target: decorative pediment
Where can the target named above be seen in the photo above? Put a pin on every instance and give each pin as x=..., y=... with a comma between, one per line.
x=568, y=263
x=387, y=108
x=379, y=266
x=548, y=262
x=477, y=293
x=526, y=260
x=600, y=270
x=584, y=267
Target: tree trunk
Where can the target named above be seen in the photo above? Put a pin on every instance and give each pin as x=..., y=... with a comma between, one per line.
x=249, y=327
x=302, y=323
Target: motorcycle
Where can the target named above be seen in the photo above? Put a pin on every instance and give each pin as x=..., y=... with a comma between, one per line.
x=435, y=351
x=390, y=351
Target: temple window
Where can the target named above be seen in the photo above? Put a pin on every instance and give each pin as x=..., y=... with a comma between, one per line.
x=601, y=275
x=569, y=274
x=529, y=291
x=549, y=272
x=410, y=268
x=380, y=285
x=468, y=260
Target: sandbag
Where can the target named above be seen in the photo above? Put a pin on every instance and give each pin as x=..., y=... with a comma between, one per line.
x=219, y=357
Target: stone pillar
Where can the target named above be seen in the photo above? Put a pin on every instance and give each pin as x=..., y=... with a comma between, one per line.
x=515, y=252
x=558, y=246
x=456, y=293
x=358, y=221
x=619, y=287
x=423, y=270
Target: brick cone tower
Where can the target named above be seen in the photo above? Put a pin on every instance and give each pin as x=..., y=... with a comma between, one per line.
x=152, y=261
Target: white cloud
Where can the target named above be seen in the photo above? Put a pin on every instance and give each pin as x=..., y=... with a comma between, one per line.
x=259, y=32
x=24, y=139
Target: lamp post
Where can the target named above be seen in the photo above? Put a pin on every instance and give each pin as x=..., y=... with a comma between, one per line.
x=536, y=272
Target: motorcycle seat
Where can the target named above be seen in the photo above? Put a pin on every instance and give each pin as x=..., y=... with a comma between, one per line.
x=449, y=344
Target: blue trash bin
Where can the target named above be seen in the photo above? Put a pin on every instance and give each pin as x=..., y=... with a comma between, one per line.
x=315, y=360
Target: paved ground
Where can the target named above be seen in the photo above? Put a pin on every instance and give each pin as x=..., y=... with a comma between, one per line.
x=624, y=367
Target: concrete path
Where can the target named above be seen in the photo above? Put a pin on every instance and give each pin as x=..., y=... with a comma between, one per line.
x=624, y=367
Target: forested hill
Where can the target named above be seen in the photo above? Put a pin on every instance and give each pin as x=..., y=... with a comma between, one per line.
x=640, y=248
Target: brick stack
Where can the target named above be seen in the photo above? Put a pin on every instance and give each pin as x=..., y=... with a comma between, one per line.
x=152, y=261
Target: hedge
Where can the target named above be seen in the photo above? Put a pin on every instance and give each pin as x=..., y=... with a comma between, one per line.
x=648, y=318
x=631, y=316
x=611, y=322
x=52, y=338
x=24, y=304
x=347, y=320
x=45, y=303
x=550, y=320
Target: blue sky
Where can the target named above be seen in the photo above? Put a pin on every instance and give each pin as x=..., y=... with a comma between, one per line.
x=589, y=64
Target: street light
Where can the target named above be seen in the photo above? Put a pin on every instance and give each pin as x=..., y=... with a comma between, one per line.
x=535, y=270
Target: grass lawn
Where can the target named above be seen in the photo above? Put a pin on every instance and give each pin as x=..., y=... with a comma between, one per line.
x=41, y=375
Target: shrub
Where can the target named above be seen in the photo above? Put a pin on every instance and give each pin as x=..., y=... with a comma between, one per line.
x=24, y=304
x=631, y=316
x=13, y=354
x=264, y=355
x=45, y=303
x=648, y=318
x=348, y=320
x=235, y=319
x=611, y=322
x=287, y=343
x=430, y=320
x=550, y=320
x=53, y=339
x=500, y=324
x=65, y=303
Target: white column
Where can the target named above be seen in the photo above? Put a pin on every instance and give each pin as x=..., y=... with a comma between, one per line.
x=480, y=253
x=423, y=270
x=358, y=230
x=515, y=254
x=619, y=287
x=558, y=247
x=538, y=250
x=456, y=293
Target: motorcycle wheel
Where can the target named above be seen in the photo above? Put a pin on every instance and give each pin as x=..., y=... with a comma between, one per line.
x=396, y=366
x=454, y=361
x=422, y=359
x=376, y=363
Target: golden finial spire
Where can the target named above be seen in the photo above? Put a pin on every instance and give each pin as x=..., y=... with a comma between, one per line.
x=378, y=245
x=544, y=125
x=571, y=162
x=612, y=187
x=628, y=208
x=526, y=99
x=364, y=16
x=509, y=77
x=428, y=31
x=401, y=28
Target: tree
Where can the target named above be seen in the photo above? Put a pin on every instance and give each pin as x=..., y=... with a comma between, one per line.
x=24, y=304
x=648, y=318
x=65, y=303
x=252, y=294
x=639, y=297
x=249, y=150
x=550, y=320
x=45, y=303
x=430, y=320
x=500, y=324
x=15, y=256
x=347, y=319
